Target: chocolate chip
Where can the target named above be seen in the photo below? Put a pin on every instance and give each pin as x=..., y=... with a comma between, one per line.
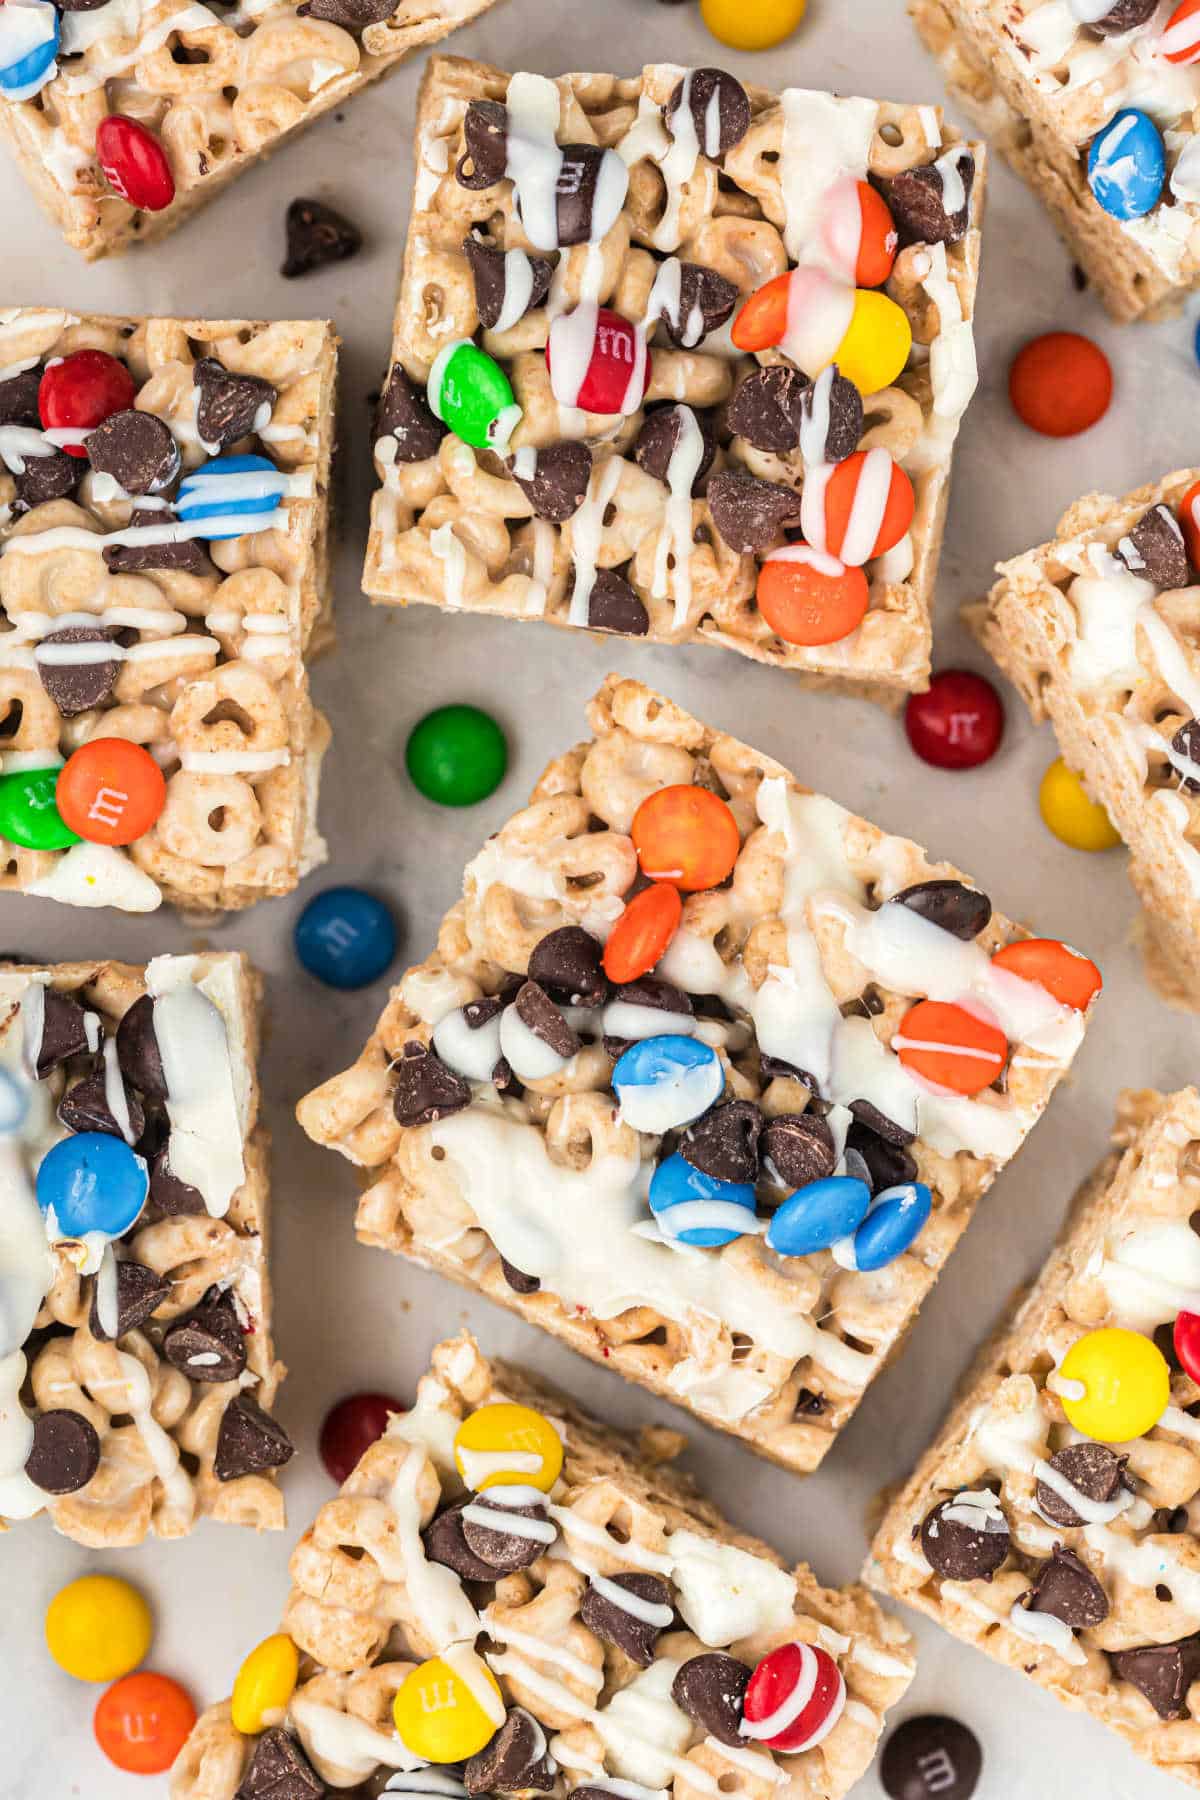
x=445, y=1543
x=85, y=1107
x=1162, y=1672
x=614, y=1625
x=137, y=1049
x=774, y=1068
x=46, y=478
x=842, y=405
x=797, y=1148
x=809, y=1405
x=316, y=233
x=880, y=1124
x=229, y=404
x=65, y=1453
x=766, y=408
x=279, y=1770
x=404, y=414
x=965, y=1538
x=249, y=1440
x=962, y=911
x=207, y=1344
x=19, y=394
x=485, y=133
x=724, y=1143
x=613, y=605
x=140, y=1293
x=1065, y=1588
x=426, y=1090
x=491, y=271
x=659, y=438
x=710, y=1690
x=64, y=1034
x=136, y=449
x=353, y=15
x=514, y=1760
x=567, y=964
x=537, y=1010
x=173, y=1197
x=1154, y=549
x=187, y=557
x=575, y=191
x=653, y=991
x=915, y=197
x=80, y=5
x=76, y=687
x=931, y=1757
x=887, y=1164
x=1126, y=15
x=504, y=1551
x=1092, y=1468
x=717, y=129
x=750, y=514
x=1186, y=742
x=706, y=300
x=558, y=486
x=518, y=1281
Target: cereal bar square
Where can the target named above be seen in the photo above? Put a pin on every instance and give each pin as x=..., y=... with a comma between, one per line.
x=569, y=431
x=1098, y=632
x=137, y=1370
x=506, y=1583
x=1052, y=1532
x=722, y=1151
x=155, y=107
x=164, y=575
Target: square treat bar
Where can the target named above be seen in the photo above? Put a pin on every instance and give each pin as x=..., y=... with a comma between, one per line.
x=136, y=1363
x=148, y=111
x=1043, y=79
x=501, y=1147
x=567, y=1633
x=666, y=200
x=1059, y=1555
x=209, y=579
x=1098, y=632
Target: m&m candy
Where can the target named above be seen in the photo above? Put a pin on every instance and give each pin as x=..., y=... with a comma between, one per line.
x=1066, y=974
x=1186, y=1338
x=92, y=1181
x=351, y=1427
x=752, y=24
x=1189, y=522
x=807, y=596
x=83, y=390
x=1114, y=1384
x=98, y=1628
x=950, y=1047
x=142, y=1723
x=14, y=1103
x=794, y=1699
x=858, y=508
x=597, y=360
x=232, y=495
x=815, y=320
x=694, y=1208
x=1060, y=383
x=664, y=1082
x=29, y=38
x=470, y=393
x=957, y=723
x=859, y=231
x=439, y=1718
x=29, y=814
x=265, y=1683
x=134, y=163
x=506, y=1445
x=1067, y=810
x=643, y=932
x=110, y=791
x=1127, y=164
x=345, y=937
x=817, y=1215
x=896, y=1217
x=1180, y=41
x=456, y=755
x=686, y=835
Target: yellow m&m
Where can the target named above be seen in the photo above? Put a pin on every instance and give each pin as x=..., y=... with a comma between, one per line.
x=439, y=1718
x=751, y=24
x=877, y=342
x=1074, y=819
x=98, y=1628
x=508, y=1445
x=1126, y=1384
x=265, y=1683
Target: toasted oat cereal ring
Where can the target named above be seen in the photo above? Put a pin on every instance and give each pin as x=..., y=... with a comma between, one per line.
x=506, y=1445
x=808, y=597
x=110, y=791
x=142, y=1723
x=83, y=389
x=213, y=820
x=1070, y=977
x=1114, y=1384
x=642, y=933
x=1060, y=384
x=949, y=1047
x=868, y=507
x=686, y=835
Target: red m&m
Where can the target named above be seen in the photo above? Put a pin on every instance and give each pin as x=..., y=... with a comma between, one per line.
x=598, y=361
x=134, y=162
x=1186, y=1336
x=83, y=389
x=351, y=1427
x=957, y=723
x=795, y=1697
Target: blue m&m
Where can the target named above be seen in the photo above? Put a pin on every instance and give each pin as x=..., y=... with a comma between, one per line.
x=29, y=36
x=92, y=1182
x=345, y=937
x=818, y=1214
x=695, y=1208
x=238, y=493
x=1127, y=164
x=14, y=1102
x=663, y=1082
x=896, y=1218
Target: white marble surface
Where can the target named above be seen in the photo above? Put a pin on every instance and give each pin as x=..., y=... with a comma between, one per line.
x=348, y=1317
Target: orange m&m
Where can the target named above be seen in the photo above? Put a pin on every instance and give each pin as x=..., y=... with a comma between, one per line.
x=1189, y=523
x=110, y=791
x=1060, y=383
x=868, y=507
x=1180, y=41
x=950, y=1047
x=877, y=238
x=763, y=318
x=1067, y=976
x=685, y=835
x=142, y=1723
x=641, y=934
x=809, y=597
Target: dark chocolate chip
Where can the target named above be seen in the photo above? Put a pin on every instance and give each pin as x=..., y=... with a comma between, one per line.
x=136, y=449
x=490, y=269
x=809, y=1405
x=85, y=1107
x=404, y=414
x=931, y=1757
x=1126, y=15
x=969, y=1548
x=45, y=478
x=915, y=197
x=207, y=1344
x=774, y=1068
x=279, y=1770
x=173, y=1197
x=1065, y=1588
x=352, y=15
x=797, y=1148
x=76, y=687
x=567, y=964
x=766, y=408
x=514, y=1760
x=613, y=605
x=706, y=300
x=316, y=234
x=229, y=404
x=140, y=1293
x=880, y=1124
x=187, y=557
x=844, y=414
x=19, y=394
x=710, y=1690
x=653, y=991
x=659, y=437
x=518, y=1281
x=717, y=128
x=445, y=1543
x=724, y=1143
x=537, y=1010
x=65, y=1453
x=888, y=1165
x=1093, y=1468
x=1154, y=549
x=64, y=1033
x=750, y=514
x=485, y=133
x=137, y=1049
x=962, y=911
x=478, y=1013
x=614, y=1625
x=426, y=1090
x=1186, y=742
x=558, y=486
x=504, y=1551
x=1162, y=1672
x=249, y=1440
x=80, y=5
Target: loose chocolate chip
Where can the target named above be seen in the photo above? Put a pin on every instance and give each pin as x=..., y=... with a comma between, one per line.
x=492, y=273
x=750, y=514
x=64, y=1033
x=513, y=1761
x=19, y=395
x=75, y=687
x=352, y=15
x=615, y=1625
x=137, y=1049
x=962, y=911
x=887, y=1164
x=567, y=964
x=659, y=437
x=316, y=234
x=140, y=1293
x=706, y=300
x=229, y=404
x=426, y=1090
x=518, y=1281
x=504, y=1551
x=915, y=197
x=931, y=1757
x=880, y=1124
x=1162, y=1672
x=613, y=605
x=1092, y=1468
x=136, y=449
x=717, y=129
x=558, y=486
x=965, y=1538
x=724, y=1143
x=249, y=1440
x=766, y=408
x=1065, y=1588
x=207, y=1344
x=445, y=1543
x=173, y=1197
x=537, y=1010
x=1154, y=549
x=798, y=1148
x=710, y=1690
x=279, y=1770
x=840, y=403
x=85, y=1107
x=1186, y=742
x=485, y=133
x=65, y=1453
x=45, y=478
x=1126, y=15
x=187, y=557
x=404, y=414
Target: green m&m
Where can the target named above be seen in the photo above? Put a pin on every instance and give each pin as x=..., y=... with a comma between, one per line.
x=456, y=755
x=469, y=392
x=29, y=815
